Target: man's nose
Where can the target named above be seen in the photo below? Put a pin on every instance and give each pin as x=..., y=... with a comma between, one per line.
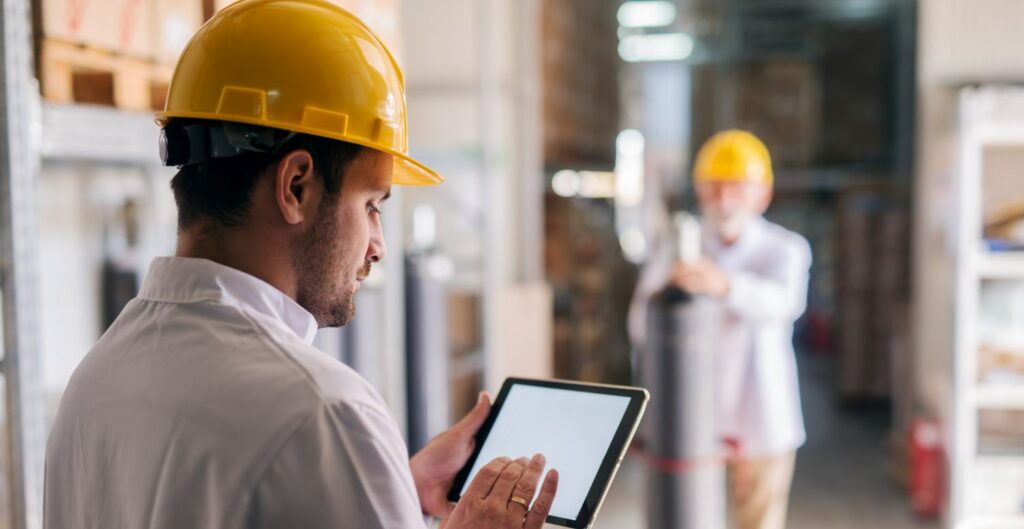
x=378, y=249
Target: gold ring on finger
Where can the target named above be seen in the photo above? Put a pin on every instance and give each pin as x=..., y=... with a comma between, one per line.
x=520, y=501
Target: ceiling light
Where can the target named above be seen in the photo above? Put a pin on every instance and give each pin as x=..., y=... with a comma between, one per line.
x=647, y=14
x=656, y=47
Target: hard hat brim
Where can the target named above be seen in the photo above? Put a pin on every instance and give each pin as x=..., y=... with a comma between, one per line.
x=407, y=171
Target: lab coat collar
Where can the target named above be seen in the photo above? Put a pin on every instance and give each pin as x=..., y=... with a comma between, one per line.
x=188, y=280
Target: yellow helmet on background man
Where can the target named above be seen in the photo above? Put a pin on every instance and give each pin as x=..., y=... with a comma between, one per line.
x=304, y=66
x=733, y=156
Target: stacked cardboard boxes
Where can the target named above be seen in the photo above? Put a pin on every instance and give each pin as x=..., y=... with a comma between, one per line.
x=778, y=101
x=856, y=95
x=466, y=342
x=122, y=52
x=112, y=52
x=592, y=285
x=873, y=290
x=117, y=26
x=581, y=82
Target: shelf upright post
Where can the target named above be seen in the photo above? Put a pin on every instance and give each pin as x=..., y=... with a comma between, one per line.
x=964, y=428
x=24, y=429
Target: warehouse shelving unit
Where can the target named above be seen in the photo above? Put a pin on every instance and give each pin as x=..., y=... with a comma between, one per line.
x=23, y=430
x=1009, y=265
x=996, y=522
x=989, y=118
x=72, y=133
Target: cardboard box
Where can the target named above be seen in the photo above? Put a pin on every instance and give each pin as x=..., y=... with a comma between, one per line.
x=464, y=323
x=524, y=341
x=174, y=24
x=464, y=392
x=581, y=109
x=380, y=15
x=70, y=73
x=120, y=26
x=779, y=101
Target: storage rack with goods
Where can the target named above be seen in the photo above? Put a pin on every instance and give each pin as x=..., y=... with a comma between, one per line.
x=986, y=456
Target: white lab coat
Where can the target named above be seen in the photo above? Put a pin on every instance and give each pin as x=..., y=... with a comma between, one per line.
x=206, y=406
x=758, y=396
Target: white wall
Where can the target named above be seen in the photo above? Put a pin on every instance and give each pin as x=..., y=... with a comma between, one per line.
x=967, y=41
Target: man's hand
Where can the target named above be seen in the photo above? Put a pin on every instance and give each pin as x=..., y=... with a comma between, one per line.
x=435, y=466
x=488, y=500
x=701, y=277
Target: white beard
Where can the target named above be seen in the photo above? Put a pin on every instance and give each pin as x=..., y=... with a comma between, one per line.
x=728, y=227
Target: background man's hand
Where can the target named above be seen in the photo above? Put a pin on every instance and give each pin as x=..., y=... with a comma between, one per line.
x=701, y=277
x=435, y=466
x=488, y=500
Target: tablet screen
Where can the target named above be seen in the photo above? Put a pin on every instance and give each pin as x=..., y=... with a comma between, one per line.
x=573, y=430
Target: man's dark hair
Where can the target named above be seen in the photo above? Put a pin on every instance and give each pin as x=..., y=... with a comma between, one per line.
x=221, y=188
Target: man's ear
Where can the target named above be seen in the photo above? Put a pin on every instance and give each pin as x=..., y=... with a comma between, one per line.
x=296, y=188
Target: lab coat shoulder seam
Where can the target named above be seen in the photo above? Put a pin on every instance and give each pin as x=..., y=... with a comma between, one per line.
x=333, y=409
x=275, y=454
x=367, y=412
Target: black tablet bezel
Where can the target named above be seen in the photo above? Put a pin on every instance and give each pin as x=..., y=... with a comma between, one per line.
x=627, y=427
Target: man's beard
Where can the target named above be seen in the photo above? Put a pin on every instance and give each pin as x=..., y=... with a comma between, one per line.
x=323, y=288
x=728, y=227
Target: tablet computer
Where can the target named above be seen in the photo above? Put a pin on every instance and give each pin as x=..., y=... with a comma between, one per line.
x=583, y=430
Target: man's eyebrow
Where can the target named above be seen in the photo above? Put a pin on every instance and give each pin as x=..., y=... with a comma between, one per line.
x=386, y=195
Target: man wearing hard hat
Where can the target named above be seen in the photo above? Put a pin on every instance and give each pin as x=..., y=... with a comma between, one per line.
x=757, y=272
x=205, y=404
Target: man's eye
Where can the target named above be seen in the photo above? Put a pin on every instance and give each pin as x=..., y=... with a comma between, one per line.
x=372, y=209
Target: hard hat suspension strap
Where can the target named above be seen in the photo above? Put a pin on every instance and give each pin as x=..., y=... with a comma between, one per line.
x=196, y=143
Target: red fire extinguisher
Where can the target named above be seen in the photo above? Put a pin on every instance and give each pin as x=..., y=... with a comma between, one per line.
x=927, y=468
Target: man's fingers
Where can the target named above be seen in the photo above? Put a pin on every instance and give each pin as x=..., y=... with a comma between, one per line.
x=528, y=483
x=502, y=489
x=481, y=485
x=690, y=273
x=539, y=512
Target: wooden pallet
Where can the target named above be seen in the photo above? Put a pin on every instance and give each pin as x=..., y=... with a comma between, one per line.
x=73, y=73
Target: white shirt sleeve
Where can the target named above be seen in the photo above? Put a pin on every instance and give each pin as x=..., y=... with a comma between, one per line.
x=779, y=294
x=345, y=467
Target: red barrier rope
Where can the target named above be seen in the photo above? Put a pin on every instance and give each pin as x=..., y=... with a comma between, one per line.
x=671, y=465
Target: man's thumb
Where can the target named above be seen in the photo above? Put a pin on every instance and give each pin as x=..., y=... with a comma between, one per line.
x=476, y=417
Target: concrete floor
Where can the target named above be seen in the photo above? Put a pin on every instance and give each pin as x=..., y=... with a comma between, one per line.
x=840, y=480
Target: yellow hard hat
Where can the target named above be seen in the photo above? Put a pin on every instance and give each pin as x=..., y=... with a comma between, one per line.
x=306, y=66
x=733, y=156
